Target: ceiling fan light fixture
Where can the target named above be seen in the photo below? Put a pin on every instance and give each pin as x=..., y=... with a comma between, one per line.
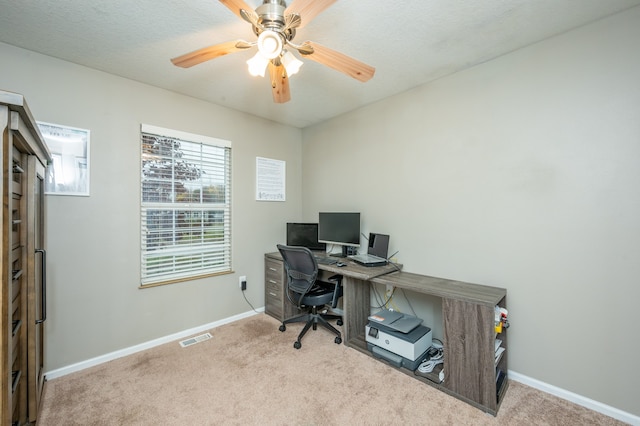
x=275, y=24
x=291, y=63
x=257, y=65
x=270, y=44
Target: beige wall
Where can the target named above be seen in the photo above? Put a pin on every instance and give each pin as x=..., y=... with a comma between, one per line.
x=520, y=173
x=95, y=306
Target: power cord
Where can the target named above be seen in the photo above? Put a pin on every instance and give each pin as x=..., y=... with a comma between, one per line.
x=428, y=366
x=408, y=302
x=430, y=363
x=245, y=298
x=383, y=302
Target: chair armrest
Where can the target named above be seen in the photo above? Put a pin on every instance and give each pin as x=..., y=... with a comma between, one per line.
x=337, y=279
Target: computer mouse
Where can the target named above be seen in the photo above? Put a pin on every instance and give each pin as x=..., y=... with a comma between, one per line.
x=341, y=264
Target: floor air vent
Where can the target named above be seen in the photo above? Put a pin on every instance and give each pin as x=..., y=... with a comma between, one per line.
x=194, y=340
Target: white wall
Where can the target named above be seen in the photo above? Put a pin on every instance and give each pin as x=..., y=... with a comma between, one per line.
x=520, y=173
x=95, y=305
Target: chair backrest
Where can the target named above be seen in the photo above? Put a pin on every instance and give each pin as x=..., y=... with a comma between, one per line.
x=301, y=268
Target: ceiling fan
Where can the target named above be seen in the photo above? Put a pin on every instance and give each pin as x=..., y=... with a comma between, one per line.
x=275, y=25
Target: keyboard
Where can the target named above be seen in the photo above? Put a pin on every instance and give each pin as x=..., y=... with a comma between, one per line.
x=324, y=260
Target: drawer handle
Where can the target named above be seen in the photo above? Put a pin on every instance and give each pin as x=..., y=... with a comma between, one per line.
x=273, y=294
x=43, y=283
x=273, y=269
x=15, y=274
x=17, y=168
x=273, y=282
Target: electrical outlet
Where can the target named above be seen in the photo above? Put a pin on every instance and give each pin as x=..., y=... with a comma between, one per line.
x=242, y=282
x=389, y=289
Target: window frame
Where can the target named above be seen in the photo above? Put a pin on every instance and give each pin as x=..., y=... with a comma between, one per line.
x=183, y=240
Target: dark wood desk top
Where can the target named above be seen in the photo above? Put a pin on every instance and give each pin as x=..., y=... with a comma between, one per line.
x=352, y=270
x=442, y=287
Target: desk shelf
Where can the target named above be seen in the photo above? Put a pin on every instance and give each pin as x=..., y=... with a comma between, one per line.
x=468, y=336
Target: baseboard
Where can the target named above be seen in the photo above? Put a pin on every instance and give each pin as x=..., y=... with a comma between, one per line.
x=143, y=346
x=576, y=399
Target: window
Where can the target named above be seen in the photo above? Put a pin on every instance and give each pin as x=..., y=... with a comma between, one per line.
x=185, y=207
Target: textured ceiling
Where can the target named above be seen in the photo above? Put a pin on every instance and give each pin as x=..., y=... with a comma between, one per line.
x=409, y=42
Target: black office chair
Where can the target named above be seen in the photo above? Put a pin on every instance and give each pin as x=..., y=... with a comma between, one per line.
x=307, y=292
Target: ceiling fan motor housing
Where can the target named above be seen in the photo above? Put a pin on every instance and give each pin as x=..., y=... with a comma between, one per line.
x=271, y=17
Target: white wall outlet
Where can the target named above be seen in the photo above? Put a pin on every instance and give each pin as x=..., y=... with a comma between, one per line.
x=242, y=279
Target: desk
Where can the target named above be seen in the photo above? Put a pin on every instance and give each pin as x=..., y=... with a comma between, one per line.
x=356, y=297
x=356, y=290
x=468, y=323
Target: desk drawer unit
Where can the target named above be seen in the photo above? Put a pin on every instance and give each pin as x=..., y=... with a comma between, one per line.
x=274, y=297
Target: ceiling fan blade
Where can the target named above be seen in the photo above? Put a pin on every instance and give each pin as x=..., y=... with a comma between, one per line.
x=307, y=9
x=205, y=54
x=279, y=83
x=236, y=6
x=339, y=62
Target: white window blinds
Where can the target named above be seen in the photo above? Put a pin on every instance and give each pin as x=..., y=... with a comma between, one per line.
x=185, y=206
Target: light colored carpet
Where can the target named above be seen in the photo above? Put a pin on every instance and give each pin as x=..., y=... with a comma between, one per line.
x=249, y=374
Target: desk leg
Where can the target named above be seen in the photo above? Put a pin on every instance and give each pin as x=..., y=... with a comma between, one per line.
x=356, y=301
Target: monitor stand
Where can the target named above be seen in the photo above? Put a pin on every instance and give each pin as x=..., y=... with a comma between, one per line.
x=346, y=251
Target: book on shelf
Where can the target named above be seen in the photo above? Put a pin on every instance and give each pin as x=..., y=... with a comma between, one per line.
x=499, y=353
x=500, y=379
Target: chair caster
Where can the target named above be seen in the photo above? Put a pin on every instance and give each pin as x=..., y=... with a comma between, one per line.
x=282, y=327
x=338, y=340
x=297, y=345
x=339, y=322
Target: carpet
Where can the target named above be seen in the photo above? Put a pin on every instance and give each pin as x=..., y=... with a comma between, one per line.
x=248, y=373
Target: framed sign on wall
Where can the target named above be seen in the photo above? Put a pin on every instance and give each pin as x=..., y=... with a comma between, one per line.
x=270, y=179
x=68, y=174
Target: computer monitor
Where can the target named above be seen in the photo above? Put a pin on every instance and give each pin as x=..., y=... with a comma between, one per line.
x=340, y=228
x=305, y=235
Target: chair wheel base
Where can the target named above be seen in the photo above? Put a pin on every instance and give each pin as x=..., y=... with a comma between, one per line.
x=283, y=328
x=339, y=322
x=297, y=345
x=338, y=340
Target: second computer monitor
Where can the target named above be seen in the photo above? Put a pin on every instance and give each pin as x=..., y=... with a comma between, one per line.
x=339, y=228
x=305, y=235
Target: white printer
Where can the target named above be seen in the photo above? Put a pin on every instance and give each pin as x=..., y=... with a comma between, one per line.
x=398, y=338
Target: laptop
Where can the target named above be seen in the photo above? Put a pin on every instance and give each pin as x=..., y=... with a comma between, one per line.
x=376, y=252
